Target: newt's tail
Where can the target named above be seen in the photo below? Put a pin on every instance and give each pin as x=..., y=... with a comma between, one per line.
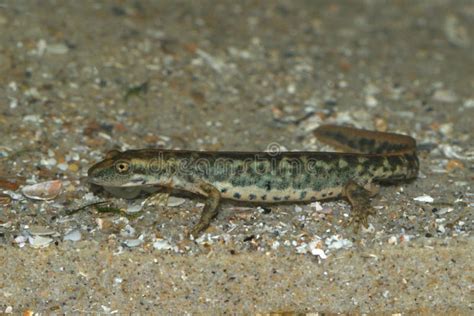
x=387, y=148
x=364, y=141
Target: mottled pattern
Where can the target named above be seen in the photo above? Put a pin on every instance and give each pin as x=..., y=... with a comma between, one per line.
x=257, y=176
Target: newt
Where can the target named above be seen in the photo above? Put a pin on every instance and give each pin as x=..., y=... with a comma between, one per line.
x=370, y=158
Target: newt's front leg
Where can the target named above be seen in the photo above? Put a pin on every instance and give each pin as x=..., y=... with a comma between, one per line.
x=210, y=208
x=359, y=198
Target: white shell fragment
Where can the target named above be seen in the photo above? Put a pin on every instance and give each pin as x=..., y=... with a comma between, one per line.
x=43, y=191
x=135, y=206
x=130, y=243
x=57, y=49
x=392, y=240
x=40, y=231
x=444, y=95
x=127, y=231
x=39, y=241
x=175, y=201
x=20, y=240
x=335, y=242
x=456, y=33
x=317, y=206
x=313, y=247
x=162, y=244
x=318, y=252
x=74, y=235
x=424, y=198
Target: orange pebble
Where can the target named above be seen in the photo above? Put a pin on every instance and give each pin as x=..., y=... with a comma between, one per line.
x=380, y=124
x=454, y=164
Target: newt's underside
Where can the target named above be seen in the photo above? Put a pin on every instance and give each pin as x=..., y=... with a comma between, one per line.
x=269, y=177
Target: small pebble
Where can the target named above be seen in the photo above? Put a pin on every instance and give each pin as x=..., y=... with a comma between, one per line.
x=104, y=223
x=73, y=167
x=128, y=231
x=380, y=124
x=468, y=104
x=5, y=199
x=11, y=184
x=57, y=49
x=392, y=240
x=275, y=245
x=335, y=242
x=454, y=164
x=444, y=95
x=371, y=101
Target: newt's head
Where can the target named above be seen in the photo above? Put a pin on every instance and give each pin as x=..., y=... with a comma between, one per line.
x=114, y=171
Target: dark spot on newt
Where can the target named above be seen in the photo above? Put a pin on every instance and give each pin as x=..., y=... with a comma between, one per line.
x=277, y=198
x=224, y=190
x=237, y=195
x=264, y=197
x=252, y=197
x=302, y=195
x=286, y=197
x=268, y=185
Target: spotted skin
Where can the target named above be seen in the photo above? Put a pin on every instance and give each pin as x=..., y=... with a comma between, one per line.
x=374, y=157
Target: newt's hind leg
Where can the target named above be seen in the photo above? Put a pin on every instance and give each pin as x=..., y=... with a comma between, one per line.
x=210, y=208
x=360, y=202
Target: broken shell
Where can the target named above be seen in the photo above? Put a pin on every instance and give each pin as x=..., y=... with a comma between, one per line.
x=40, y=231
x=130, y=243
x=175, y=201
x=39, y=241
x=456, y=33
x=317, y=206
x=336, y=242
x=424, y=198
x=317, y=251
x=43, y=191
x=128, y=231
x=134, y=207
x=20, y=240
x=161, y=244
x=74, y=235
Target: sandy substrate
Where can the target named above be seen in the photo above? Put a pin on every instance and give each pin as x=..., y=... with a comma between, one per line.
x=81, y=78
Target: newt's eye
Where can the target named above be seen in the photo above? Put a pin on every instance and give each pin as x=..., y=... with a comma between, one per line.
x=122, y=166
